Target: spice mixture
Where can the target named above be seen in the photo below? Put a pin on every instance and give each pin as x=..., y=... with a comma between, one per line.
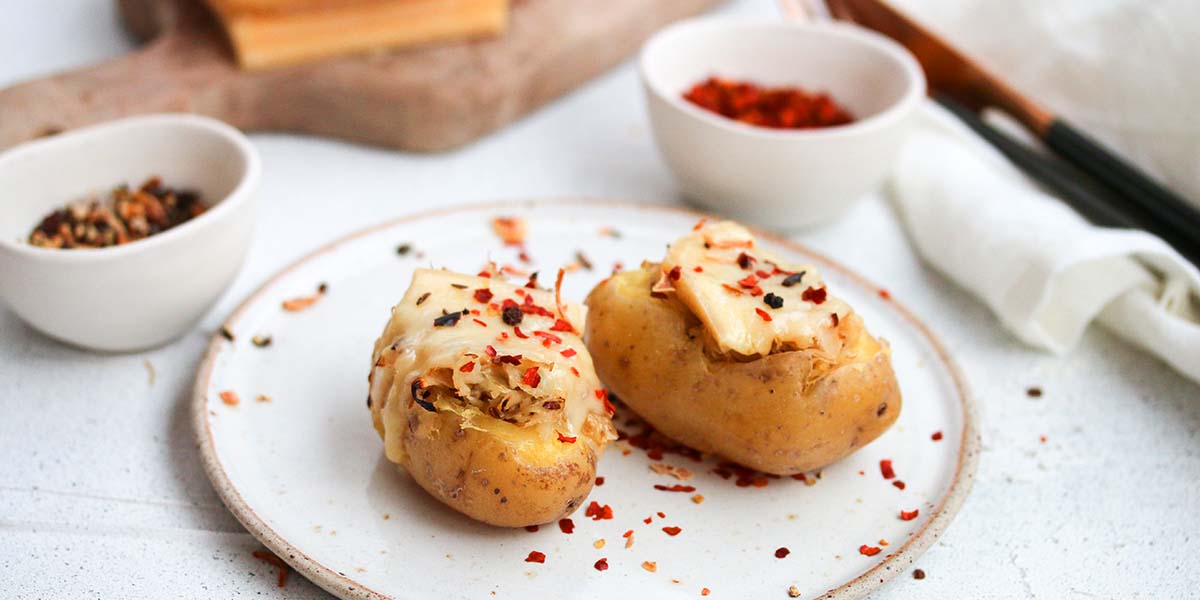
x=125, y=215
x=777, y=108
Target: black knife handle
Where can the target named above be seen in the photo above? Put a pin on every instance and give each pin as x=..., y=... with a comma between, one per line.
x=1168, y=209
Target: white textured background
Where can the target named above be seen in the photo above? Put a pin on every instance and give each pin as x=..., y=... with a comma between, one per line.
x=101, y=493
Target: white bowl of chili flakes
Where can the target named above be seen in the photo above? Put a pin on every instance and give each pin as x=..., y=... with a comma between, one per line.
x=142, y=293
x=780, y=177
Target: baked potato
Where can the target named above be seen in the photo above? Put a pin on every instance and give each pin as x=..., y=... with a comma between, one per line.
x=728, y=349
x=484, y=392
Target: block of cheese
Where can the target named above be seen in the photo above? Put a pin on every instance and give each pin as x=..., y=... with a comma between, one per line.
x=275, y=33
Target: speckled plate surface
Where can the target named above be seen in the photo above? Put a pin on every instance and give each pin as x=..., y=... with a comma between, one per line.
x=304, y=471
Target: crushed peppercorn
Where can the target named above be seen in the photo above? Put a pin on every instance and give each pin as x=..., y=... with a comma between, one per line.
x=777, y=302
x=125, y=215
x=793, y=279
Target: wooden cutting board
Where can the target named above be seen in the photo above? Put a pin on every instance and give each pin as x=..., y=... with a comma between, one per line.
x=424, y=99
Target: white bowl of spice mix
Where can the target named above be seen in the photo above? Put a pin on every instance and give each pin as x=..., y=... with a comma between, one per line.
x=121, y=236
x=781, y=124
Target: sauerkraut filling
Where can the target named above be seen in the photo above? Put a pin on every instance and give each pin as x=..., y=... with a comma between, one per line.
x=495, y=387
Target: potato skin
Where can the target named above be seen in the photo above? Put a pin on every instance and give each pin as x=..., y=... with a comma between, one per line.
x=757, y=413
x=492, y=479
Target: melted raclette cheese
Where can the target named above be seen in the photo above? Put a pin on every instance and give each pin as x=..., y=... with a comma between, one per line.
x=476, y=353
x=723, y=277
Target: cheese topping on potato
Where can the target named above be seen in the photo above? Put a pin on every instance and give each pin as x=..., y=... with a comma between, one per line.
x=750, y=302
x=485, y=348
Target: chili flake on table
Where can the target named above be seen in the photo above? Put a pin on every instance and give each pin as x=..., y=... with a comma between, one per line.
x=773, y=107
x=125, y=215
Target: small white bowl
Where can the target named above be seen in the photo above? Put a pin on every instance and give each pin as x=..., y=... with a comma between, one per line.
x=780, y=178
x=145, y=293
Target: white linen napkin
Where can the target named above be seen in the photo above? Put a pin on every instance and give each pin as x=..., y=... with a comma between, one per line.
x=1042, y=269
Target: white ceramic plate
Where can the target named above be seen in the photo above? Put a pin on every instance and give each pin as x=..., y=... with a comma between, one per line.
x=304, y=472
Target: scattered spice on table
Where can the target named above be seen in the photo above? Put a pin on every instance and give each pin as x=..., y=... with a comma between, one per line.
x=705, y=591
x=227, y=334
x=566, y=525
x=125, y=215
x=601, y=565
x=650, y=566
x=262, y=398
x=866, y=550
x=303, y=302
x=773, y=107
x=403, y=249
x=535, y=557
x=600, y=481
x=937, y=436
x=908, y=515
x=274, y=561
x=230, y=398
x=698, y=498
x=918, y=574
x=672, y=531
x=898, y=484
x=598, y=544
x=511, y=230
x=679, y=473
x=531, y=528
x=782, y=552
x=262, y=341
x=1034, y=392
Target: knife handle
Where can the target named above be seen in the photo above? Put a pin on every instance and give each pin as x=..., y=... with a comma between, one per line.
x=1167, y=208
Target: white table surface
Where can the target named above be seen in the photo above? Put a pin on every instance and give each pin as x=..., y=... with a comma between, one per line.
x=102, y=495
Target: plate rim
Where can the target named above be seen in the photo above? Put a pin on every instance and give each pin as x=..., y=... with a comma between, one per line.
x=345, y=587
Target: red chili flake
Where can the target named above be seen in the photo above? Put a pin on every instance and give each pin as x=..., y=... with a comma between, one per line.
x=627, y=533
x=531, y=377
x=782, y=552
x=731, y=289
x=561, y=325
x=475, y=311
x=535, y=557
x=908, y=515
x=756, y=291
x=599, y=481
x=528, y=307
x=814, y=295
x=517, y=332
x=531, y=528
x=230, y=397
x=899, y=484
x=866, y=550
x=648, y=520
x=705, y=591
x=833, y=317
x=672, y=531
x=598, y=512
x=1043, y=439
x=800, y=477
x=885, y=467
x=548, y=338
x=467, y=368
x=748, y=282
x=772, y=107
x=532, y=283
x=698, y=269
x=483, y=295
x=568, y=353
x=274, y=561
x=762, y=274
x=674, y=488
x=512, y=359
x=484, y=273
x=886, y=295
x=601, y=565
x=762, y=313
x=602, y=395
x=479, y=322
x=566, y=525
x=565, y=438
x=523, y=256
x=661, y=514
x=675, y=273
x=699, y=224
x=575, y=371
x=937, y=436
x=490, y=351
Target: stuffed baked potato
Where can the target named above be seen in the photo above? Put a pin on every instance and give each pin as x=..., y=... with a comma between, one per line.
x=484, y=392
x=728, y=349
